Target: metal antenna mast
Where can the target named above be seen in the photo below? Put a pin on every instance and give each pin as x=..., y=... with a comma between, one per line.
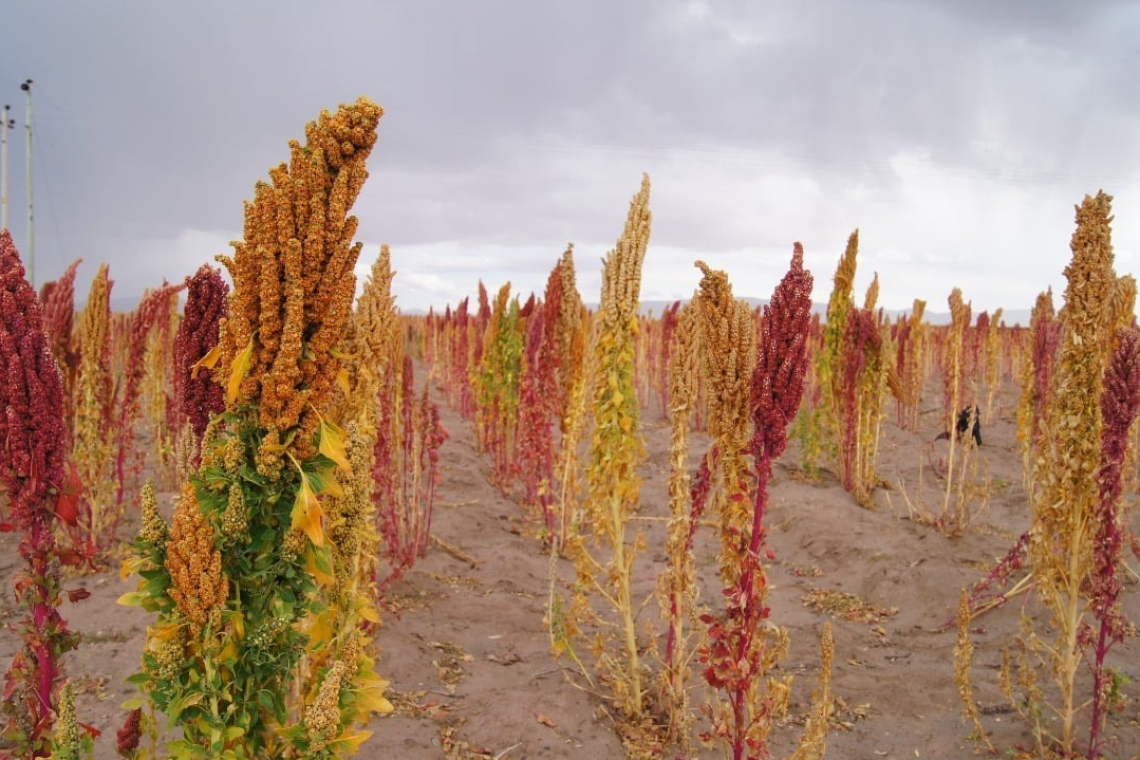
x=27, y=88
x=5, y=125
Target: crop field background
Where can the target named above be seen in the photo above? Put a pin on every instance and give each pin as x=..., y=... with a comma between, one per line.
x=267, y=514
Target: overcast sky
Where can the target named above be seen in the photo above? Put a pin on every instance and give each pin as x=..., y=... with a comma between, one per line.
x=957, y=135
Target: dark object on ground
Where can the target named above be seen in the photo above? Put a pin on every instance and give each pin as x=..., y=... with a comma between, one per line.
x=965, y=417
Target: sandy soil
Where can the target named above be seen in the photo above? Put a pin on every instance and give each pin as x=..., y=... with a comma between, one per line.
x=464, y=645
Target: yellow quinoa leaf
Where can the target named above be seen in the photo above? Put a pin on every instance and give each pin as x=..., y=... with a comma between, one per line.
x=332, y=443
x=368, y=612
x=238, y=371
x=230, y=651
x=324, y=482
x=130, y=566
x=351, y=740
x=237, y=622
x=318, y=561
x=209, y=361
x=342, y=382
x=320, y=629
x=162, y=632
x=189, y=699
x=132, y=599
x=307, y=513
x=370, y=695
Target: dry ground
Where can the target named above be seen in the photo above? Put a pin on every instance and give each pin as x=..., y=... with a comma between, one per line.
x=464, y=644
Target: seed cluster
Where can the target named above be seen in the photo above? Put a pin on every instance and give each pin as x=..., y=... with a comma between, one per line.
x=322, y=718
x=729, y=351
x=199, y=587
x=294, y=283
x=154, y=529
x=196, y=389
x=621, y=280
x=31, y=425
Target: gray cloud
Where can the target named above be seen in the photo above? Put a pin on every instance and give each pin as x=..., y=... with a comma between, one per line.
x=525, y=125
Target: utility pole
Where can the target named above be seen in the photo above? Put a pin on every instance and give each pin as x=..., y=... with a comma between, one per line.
x=27, y=88
x=5, y=125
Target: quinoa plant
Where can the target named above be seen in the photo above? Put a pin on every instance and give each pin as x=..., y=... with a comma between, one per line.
x=198, y=395
x=236, y=659
x=32, y=467
x=572, y=331
x=992, y=342
x=1063, y=533
x=577, y=369
x=372, y=348
x=1036, y=383
x=1075, y=542
x=955, y=509
x=58, y=300
x=830, y=360
x=152, y=310
x=497, y=388
x=159, y=411
x=863, y=387
x=808, y=428
x=405, y=474
x=1119, y=404
x=668, y=324
x=538, y=395
x=676, y=586
x=955, y=360
x=460, y=389
x=728, y=356
x=743, y=648
x=912, y=341
x=612, y=482
x=93, y=441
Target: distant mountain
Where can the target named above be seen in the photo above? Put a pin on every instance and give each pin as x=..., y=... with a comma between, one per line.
x=124, y=304
x=127, y=304
x=1010, y=317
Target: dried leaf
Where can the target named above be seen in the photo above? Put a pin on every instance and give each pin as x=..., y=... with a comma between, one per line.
x=209, y=361
x=307, y=512
x=332, y=443
x=238, y=371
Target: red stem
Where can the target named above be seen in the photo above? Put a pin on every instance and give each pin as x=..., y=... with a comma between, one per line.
x=43, y=612
x=1102, y=646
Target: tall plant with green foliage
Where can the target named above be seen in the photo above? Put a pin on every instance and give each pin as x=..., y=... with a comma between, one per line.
x=234, y=580
x=613, y=486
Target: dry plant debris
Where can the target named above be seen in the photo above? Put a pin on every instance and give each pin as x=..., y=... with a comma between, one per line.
x=450, y=664
x=845, y=605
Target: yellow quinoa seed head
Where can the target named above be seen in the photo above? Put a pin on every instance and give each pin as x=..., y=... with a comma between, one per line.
x=154, y=528
x=322, y=717
x=198, y=586
x=293, y=279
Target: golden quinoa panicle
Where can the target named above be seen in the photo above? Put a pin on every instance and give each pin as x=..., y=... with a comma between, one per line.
x=294, y=284
x=198, y=585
